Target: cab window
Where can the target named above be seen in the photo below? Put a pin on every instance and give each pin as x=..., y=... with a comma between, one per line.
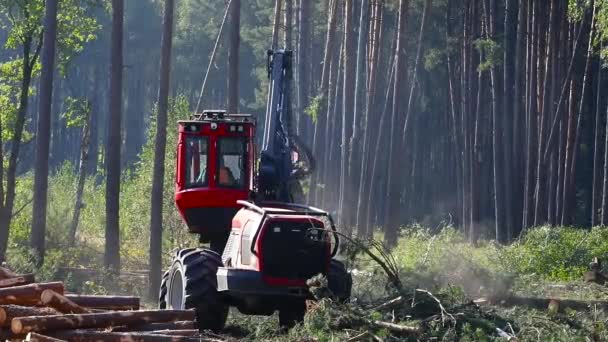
x=232, y=158
x=197, y=150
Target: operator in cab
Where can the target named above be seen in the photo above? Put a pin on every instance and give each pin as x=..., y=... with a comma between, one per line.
x=226, y=178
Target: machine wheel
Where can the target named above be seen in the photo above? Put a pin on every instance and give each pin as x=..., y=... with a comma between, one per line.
x=293, y=314
x=339, y=281
x=162, y=296
x=192, y=284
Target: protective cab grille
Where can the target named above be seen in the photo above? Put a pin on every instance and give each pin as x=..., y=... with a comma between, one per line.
x=291, y=250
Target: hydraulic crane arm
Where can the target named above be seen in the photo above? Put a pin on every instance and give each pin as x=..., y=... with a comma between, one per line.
x=278, y=171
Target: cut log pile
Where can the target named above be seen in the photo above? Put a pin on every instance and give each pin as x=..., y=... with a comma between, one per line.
x=31, y=311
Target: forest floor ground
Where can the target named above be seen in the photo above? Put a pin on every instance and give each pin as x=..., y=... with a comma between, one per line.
x=451, y=290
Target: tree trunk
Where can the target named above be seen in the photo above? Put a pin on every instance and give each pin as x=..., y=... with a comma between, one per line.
x=28, y=295
x=510, y=40
x=531, y=128
x=30, y=59
x=8, y=312
x=357, y=139
x=597, y=155
x=569, y=190
x=394, y=159
x=160, y=146
x=604, y=211
x=60, y=303
x=368, y=130
x=43, y=135
x=277, y=24
x=19, y=280
x=304, y=59
x=319, y=138
x=112, y=236
x=105, y=302
x=101, y=336
x=24, y=325
x=345, y=209
x=179, y=325
x=82, y=174
x=233, y=56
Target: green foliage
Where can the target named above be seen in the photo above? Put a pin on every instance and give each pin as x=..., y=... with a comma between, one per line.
x=602, y=27
x=75, y=25
x=314, y=107
x=557, y=253
x=433, y=58
x=576, y=9
x=491, y=52
x=76, y=111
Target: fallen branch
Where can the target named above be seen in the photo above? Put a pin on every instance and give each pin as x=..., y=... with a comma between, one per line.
x=444, y=312
x=24, y=325
x=386, y=260
x=389, y=304
x=403, y=329
x=543, y=303
x=361, y=337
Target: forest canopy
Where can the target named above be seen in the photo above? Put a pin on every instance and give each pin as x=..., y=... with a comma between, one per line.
x=487, y=115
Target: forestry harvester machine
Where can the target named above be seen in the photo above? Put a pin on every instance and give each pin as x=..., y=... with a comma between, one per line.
x=263, y=247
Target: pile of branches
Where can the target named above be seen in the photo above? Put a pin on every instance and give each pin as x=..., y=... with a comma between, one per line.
x=44, y=311
x=409, y=313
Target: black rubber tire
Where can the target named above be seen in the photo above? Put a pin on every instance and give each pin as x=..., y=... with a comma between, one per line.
x=292, y=314
x=197, y=269
x=162, y=295
x=339, y=281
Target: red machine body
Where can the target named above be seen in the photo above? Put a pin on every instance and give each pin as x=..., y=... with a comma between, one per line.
x=215, y=162
x=264, y=236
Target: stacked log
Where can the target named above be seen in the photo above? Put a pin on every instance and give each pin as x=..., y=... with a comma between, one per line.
x=31, y=311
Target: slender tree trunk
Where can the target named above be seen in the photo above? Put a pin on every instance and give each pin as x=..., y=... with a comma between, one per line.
x=345, y=209
x=233, y=56
x=567, y=213
x=427, y=6
x=510, y=43
x=548, y=95
x=94, y=127
x=43, y=135
x=160, y=144
x=319, y=138
x=364, y=179
x=82, y=175
x=112, y=243
x=304, y=59
x=394, y=159
x=597, y=154
x=502, y=230
x=519, y=118
x=29, y=59
x=277, y=24
x=333, y=97
x=357, y=139
x=288, y=22
x=604, y=211
x=531, y=128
